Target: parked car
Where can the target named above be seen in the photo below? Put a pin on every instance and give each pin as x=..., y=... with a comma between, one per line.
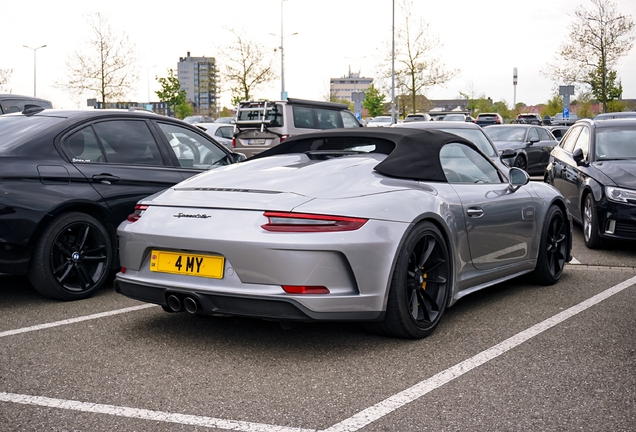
x=558, y=131
x=224, y=120
x=529, y=118
x=356, y=229
x=532, y=145
x=594, y=167
x=12, y=103
x=454, y=117
x=484, y=119
x=261, y=125
x=70, y=177
x=615, y=115
x=471, y=132
x=222, y=132
x=416, y=117
x=198, y=119
x=559, y=120
x=380, y=121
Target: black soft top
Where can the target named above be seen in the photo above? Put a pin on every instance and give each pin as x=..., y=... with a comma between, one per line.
x=412, y=153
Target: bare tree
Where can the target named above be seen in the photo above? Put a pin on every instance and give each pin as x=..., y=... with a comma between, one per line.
x=5, y=74
x=248, y=66
x=599, y=37
x=107, y=66
x=418, y=65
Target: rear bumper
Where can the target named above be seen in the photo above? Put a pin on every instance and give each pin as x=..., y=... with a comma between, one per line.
x=248, y=306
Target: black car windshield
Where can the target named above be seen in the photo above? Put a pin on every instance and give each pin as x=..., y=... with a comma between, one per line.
x=15, y=128
x=505, y=133
x=615, y=143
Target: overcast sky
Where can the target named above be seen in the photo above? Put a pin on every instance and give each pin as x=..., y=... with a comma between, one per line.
x=485, y=40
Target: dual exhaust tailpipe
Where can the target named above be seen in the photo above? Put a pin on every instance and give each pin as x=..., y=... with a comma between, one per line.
x=180, y=303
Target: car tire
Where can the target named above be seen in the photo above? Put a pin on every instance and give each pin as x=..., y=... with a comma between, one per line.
x=520, y=162
x=72, y=259
x=420, y=285
x=590, y=223
x=553, y=249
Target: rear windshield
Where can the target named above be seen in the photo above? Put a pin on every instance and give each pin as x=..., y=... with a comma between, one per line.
x=254, y=112
x=14, y=129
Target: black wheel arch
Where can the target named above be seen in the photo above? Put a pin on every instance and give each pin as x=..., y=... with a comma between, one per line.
x=436, y=220
x=93, y=209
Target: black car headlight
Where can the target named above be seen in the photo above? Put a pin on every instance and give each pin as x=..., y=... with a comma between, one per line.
x=621, y=195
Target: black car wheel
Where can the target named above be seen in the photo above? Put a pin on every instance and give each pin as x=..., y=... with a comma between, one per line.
x=520, y=162
x=72, y=258
x=420, y=286
x=553, y=249
x=590, y=223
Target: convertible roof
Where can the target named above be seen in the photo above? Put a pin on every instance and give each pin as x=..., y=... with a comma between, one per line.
x=412, y=153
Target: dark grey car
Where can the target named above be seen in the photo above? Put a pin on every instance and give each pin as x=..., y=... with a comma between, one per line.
x=532, y=145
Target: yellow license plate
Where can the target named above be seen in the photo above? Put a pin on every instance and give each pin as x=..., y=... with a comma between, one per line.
x=210, y=266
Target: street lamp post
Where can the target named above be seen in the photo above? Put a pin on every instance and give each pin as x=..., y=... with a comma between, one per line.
x=34, y=65
x=148, y=80
x=283, y=94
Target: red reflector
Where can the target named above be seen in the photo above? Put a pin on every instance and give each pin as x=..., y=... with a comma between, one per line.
x=283, y=138
x=302, y=222
x=123, y=269
x=233, y=142
x=303, y=289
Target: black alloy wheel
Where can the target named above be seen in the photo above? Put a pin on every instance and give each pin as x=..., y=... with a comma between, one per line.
x=553, y=252
x=520, y=162
x=72, y=259
x=420, y=286
x=590, y=223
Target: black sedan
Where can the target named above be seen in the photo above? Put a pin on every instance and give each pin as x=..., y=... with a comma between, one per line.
x=532, y=145
x=594, y=167
x=69, y=178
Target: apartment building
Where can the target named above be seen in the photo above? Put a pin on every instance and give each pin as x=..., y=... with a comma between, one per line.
x=198, y=76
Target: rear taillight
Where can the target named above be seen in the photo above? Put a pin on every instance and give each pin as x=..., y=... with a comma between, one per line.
x=283, y=138
x=139, y=211
x=233, y=142
x=302, y=222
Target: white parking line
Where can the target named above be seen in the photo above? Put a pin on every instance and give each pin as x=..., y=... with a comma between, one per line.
x=74, y=320
x=146, y=414
x=389, y=405
x=351, y=424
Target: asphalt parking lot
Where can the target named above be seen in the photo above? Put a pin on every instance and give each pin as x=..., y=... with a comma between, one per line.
x=513, y=357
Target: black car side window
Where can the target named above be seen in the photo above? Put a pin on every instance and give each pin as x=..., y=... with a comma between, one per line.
x=128, y=142
x=533, y=135
x=193, y=150
x=82, y=147
x=583, y=141
x=568, y=141
x=544, y=135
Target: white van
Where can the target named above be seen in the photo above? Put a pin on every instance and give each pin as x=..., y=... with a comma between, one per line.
x=261, y=125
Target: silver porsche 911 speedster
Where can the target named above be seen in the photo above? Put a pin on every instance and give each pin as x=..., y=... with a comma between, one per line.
x=385, y=226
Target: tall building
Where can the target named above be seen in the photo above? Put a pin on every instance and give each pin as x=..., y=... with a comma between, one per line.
x=198, y=77
x=343, y=88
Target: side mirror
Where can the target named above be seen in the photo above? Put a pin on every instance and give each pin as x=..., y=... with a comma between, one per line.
x=579, y=157
x=533, y=140
x=517, y=178
x=238, y=157
x=507, y=154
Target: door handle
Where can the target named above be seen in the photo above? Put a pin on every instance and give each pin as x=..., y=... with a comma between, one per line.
x=475, y=212
x=105, y=178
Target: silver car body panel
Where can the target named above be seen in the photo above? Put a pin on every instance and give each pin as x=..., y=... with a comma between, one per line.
x=221, y=213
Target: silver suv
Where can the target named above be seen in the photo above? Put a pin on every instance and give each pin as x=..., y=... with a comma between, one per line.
x=261, y=125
